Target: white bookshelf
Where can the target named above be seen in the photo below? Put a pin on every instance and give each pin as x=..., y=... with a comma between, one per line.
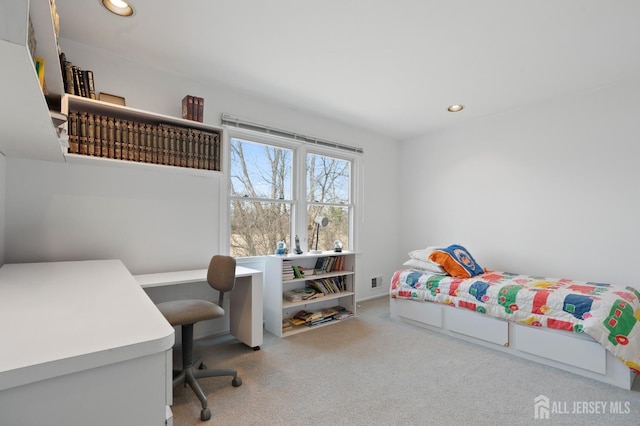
x=73, y=102
x=277, y=308
x=27, y=127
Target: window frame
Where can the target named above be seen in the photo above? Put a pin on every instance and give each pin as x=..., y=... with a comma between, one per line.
x=299, y=203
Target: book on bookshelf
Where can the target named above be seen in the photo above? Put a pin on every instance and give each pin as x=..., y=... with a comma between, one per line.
x=295, y=321
x=91, y=90
x=307, y=316
x=300, y=294
x=84, y=74
x=74, y=146
x=83, y=133
x=328, y=285
x=186, y=109
x=76, y=80
x=319, y=321
x=91, y=134
x=97, y=136
x=297, y=271
x=192, y=108
x=200, y=110
x=104, y=136
x=67, y=78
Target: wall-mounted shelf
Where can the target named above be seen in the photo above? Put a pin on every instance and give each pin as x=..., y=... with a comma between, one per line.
x=187, y=147
x=27, y=129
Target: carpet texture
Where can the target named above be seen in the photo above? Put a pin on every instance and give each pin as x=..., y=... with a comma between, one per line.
x=375, y=370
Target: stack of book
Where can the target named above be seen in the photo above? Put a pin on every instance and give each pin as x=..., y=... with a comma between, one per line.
x=298, y=271
x=157, y=143
x=328, y=285
x=193, y=108
x=329, y=264
x=300, y=294
x=311, y=319
x=77, y=81
x=287, y=270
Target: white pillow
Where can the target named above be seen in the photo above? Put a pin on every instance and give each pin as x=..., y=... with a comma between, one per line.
x=428, y=266
x=422, y=254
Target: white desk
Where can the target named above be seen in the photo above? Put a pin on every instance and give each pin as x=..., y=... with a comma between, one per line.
x=81, y=344
x=245, y=306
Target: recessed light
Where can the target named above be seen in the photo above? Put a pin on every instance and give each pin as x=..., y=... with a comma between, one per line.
x=119, y=7
x=455, y=108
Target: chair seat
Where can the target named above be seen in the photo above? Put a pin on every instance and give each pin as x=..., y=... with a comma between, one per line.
x=189, y=311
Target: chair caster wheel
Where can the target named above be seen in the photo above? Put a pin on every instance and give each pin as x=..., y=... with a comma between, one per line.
x=237, y=381
x=205, y=414
x=202, y=366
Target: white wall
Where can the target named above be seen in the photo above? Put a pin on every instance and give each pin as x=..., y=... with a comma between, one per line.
x=160, y=222
x=3, y=185
x=550, y=189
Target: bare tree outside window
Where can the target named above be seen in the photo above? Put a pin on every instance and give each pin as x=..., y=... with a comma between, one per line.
x=262, y=199
x=328, y=194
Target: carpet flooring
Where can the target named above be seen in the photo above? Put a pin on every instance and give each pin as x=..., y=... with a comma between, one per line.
x=376, y=370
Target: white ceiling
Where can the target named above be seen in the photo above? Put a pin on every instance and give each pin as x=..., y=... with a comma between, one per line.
x=390, y=66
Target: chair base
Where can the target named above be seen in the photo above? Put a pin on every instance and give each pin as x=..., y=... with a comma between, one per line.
x=189, y=373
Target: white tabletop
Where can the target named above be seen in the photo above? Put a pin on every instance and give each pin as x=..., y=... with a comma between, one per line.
x=181, y=277
x=61, y=317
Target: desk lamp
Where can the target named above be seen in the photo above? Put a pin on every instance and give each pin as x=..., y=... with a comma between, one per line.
x=320, y=221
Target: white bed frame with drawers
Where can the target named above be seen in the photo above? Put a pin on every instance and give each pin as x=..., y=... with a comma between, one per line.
x=578, y=354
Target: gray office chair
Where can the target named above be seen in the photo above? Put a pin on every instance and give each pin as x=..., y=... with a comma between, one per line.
x=221, y=275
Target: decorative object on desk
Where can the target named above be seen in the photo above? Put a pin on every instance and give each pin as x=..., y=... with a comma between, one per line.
x=112, y=99
x=281, y=248
x=297, y=249
x=337, y=246
x=320, y=221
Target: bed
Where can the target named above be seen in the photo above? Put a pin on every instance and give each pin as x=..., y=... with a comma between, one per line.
x=586, y=328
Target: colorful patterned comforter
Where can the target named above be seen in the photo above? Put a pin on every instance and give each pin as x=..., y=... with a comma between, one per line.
x=607, y=313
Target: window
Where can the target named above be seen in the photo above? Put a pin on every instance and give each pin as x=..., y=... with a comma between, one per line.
x=261, y=197
x=328, y=194
x=277, y=188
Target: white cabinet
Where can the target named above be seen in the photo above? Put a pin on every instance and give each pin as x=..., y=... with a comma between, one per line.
x=26, y=127
x=90, y=347
x=277, y=309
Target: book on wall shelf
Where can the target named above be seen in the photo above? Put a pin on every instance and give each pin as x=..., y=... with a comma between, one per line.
x=98, y=130
x=76, y=81
x=193, y=108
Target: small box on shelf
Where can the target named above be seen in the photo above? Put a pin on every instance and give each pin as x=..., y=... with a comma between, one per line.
x=112, y=99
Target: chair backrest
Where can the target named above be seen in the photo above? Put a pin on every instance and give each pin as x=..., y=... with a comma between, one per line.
x=221, y=274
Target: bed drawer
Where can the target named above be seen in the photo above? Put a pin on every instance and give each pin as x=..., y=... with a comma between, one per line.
x=477, y=326
x=583, y=353
x=423, y=312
